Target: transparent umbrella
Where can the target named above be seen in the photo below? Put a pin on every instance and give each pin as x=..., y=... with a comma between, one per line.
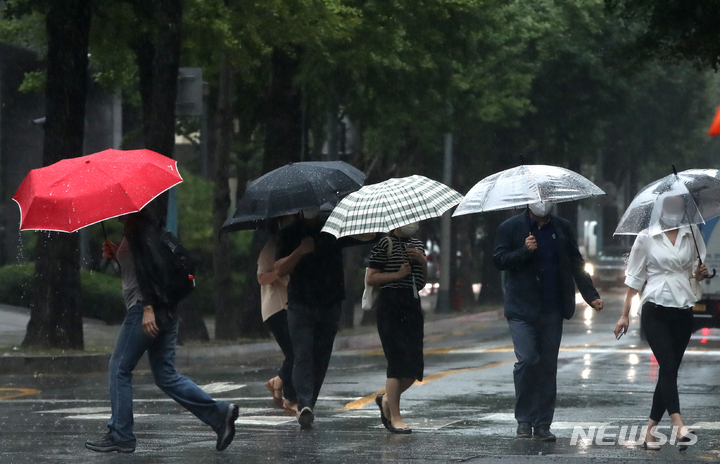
x=524, y=185
x=681, y=199
x=699, y=190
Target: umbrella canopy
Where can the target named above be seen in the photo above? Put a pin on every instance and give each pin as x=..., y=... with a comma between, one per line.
x=715, y=125
x=77, y=192
x=524, y=185
x=291, y=188
x=391, y=204
x=699, y=190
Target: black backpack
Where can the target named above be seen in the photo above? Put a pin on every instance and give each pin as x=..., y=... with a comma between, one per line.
x=181, y=270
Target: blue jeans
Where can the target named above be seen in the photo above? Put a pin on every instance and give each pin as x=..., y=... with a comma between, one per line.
x=131, y=344
x=537, y=345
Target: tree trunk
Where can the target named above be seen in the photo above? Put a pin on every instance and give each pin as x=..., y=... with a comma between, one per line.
x=158, y=58
x=282, y=145
x=226, y=327
x=283, y=133
x=55, y=317
x=157, y=54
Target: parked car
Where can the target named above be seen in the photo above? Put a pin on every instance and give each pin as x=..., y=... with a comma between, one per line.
x=607, y=268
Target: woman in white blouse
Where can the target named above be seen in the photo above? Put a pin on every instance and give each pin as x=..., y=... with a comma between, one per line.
x=663, y=259
x=274, y=297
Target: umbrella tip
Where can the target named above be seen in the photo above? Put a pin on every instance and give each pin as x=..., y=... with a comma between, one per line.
x=674, y=170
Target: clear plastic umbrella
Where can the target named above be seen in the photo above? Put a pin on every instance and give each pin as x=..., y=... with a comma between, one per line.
x=524, y=185
x=681, y=199
x=699, y=190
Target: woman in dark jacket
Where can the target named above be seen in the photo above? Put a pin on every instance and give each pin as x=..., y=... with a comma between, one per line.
x=151, y=325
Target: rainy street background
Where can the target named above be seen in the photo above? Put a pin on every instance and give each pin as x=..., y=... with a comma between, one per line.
x=618, y=91
x=463, y=412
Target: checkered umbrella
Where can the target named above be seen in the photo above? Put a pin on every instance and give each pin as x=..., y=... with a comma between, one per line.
x=391, y=204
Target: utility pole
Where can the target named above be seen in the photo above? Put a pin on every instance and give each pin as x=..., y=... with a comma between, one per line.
x=443, y=304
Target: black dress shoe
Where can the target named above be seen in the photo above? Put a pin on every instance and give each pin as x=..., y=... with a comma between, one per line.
x=524, y=430
x=685, y=439
x=226, y=432
x=383, y=417
x=393, y=429
x=107, y=444
x=543, y=433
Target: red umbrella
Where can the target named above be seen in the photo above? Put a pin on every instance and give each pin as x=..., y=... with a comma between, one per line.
x=77, y=192
x=715, y=126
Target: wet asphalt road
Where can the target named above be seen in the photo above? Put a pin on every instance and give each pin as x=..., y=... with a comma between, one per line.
x=463, y=411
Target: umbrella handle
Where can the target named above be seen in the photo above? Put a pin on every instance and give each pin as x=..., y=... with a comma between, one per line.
x=102, y=224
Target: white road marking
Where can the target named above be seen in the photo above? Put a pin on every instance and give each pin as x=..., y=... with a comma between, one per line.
x=220, y=387
x=705, y=425
x=572, y=425
x=499, y=417
x=425, y=425
x=88, y=410
x=264, y=420
x=101, y=416
x=430, y=425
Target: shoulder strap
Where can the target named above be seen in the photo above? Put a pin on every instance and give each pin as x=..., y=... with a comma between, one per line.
x=390, y=246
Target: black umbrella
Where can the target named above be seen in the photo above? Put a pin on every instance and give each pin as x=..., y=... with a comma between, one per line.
x=292, y=188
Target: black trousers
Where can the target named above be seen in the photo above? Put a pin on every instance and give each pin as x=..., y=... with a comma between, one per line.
x=668, y=332
x=278, y=325
x=312, y=331
x=537, y=344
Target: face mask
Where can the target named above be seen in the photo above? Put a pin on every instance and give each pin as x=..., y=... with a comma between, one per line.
x=410, y=229
x=541, y=209
x=671, y=219
x=310, y=213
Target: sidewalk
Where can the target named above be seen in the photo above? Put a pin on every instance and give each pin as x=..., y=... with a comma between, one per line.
x=100, y=338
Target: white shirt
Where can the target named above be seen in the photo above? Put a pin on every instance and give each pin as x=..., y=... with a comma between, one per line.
x=665, y=269
x=274, y=296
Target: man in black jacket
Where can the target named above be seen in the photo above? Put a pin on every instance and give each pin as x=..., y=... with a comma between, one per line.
x=540, y=255
x=313, y=259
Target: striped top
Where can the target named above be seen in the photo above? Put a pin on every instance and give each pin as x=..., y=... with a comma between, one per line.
x=380, y=260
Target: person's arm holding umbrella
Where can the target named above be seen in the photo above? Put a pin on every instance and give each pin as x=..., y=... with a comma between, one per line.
x=701, y=271
x=506, y=255
x=417, y=256
x=285, y=266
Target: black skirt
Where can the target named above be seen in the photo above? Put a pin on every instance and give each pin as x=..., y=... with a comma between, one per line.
x=400, y=325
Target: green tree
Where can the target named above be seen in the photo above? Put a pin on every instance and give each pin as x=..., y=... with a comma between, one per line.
x=676, y=31
x=55, y=317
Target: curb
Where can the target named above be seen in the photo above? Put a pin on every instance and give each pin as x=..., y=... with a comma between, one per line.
x=191, y=356
x=61, y=364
